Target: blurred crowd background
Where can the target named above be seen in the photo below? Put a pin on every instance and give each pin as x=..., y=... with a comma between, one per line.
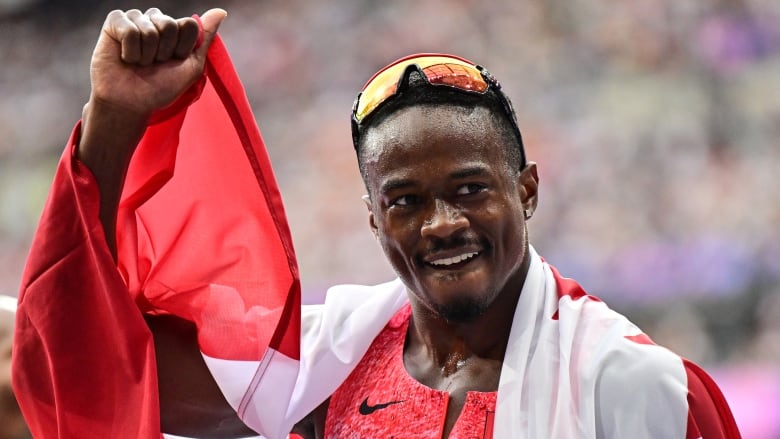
x=654, y=124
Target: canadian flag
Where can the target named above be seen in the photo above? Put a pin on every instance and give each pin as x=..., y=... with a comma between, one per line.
x=201, y=234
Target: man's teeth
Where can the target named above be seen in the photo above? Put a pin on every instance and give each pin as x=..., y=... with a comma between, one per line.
x=454, y=260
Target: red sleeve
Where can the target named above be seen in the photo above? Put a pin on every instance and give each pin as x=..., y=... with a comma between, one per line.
x=83, y=360
x=709, y=415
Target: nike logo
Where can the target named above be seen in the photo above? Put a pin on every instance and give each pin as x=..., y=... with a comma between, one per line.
x=366, y=409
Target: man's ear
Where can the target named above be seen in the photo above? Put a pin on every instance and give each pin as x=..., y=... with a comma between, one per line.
x=528, y=185
x=371, y=223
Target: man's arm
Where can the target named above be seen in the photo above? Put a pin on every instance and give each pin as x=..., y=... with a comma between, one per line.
x=191, y=404
x=142, y=63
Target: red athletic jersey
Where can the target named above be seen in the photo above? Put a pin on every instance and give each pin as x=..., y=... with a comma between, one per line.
x=381, y=400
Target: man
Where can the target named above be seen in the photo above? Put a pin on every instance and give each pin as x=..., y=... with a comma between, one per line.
x=479, y=337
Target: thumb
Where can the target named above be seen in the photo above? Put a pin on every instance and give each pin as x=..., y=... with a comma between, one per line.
x=210, y=22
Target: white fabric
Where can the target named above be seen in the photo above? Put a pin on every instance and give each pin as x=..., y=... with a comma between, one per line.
x=334, y=337
x=579, y=377
x=574, y=377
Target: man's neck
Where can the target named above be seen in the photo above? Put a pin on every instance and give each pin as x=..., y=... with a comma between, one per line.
x=461, y=357
x=449, y=344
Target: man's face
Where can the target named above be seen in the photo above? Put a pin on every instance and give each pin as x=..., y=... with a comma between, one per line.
x=447, y=208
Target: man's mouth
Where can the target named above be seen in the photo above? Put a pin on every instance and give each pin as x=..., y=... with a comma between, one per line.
x=457, y=259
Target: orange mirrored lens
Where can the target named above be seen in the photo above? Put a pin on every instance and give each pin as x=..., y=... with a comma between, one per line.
x=455, y=75
x=438, y=70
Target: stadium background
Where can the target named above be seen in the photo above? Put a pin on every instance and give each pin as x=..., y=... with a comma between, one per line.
x=655, y=126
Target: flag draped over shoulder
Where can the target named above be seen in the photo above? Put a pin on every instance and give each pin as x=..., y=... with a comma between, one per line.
x=201, y=234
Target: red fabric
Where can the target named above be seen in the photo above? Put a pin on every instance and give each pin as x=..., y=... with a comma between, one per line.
x=568, y=287
x=640, y=339
x=83, y=360
x=709, y=415
x=214, y=236
x=201, y=234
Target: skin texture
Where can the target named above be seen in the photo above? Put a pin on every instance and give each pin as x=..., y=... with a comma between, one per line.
x=440, y=187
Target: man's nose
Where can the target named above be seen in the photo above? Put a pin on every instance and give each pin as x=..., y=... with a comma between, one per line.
x=444, y=220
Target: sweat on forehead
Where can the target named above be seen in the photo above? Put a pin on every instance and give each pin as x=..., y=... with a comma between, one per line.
x=416, y=125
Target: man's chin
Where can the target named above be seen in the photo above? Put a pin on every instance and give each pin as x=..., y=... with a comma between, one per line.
x=461, y=310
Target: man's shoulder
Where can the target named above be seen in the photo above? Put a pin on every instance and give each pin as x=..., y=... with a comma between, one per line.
x=350, y=296
x=633, y=380
x=610, y=337
x=606, y=340
x=354, y=309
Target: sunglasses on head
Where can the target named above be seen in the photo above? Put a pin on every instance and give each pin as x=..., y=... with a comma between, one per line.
x=437, y=70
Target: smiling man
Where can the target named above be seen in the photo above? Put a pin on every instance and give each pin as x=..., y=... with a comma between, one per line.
x=448, y=196
x=479, y=336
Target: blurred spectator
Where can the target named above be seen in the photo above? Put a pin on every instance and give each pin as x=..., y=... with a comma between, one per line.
x=12, y=425
x=764, y=348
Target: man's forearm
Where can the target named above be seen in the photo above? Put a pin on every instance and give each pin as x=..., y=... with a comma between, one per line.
x=191, y=402
x=108, y=139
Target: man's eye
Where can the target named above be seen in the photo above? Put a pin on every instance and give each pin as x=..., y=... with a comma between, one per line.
x=404, y=200
x=470, y=188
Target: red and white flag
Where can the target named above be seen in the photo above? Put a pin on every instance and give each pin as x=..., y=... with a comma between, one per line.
x=201, y=234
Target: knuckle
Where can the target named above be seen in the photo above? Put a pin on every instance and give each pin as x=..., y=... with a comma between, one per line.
x=150, y=41
x=130, y=33
x=115, y=19
x=165, y=24
x=187, y=23
x=148, y=31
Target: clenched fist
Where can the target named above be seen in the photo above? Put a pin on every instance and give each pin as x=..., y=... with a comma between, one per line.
x=143, y=61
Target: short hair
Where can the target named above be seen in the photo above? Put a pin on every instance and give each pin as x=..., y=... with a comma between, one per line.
x=414, y=90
